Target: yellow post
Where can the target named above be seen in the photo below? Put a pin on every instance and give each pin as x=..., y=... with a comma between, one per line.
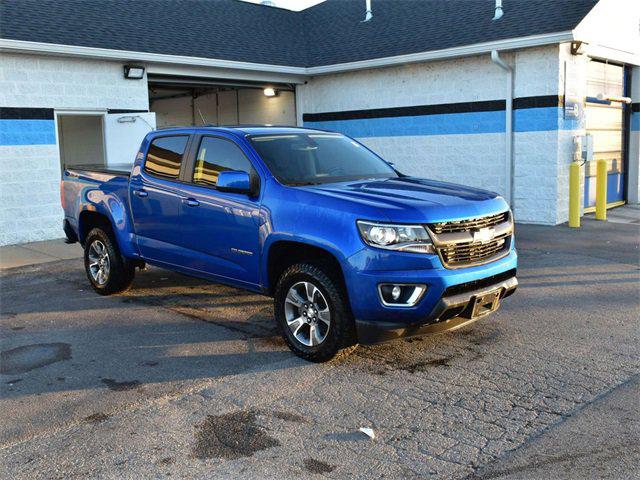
x=574, y=195
x=601, y=190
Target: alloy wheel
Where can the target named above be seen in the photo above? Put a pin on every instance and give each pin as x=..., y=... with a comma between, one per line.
x=307, y=313
x=99, y=262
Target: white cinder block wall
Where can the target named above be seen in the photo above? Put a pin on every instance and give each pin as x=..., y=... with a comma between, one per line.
x=29, y=198
x=476, y=159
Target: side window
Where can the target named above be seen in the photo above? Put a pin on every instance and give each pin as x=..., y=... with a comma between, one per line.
x=165, y=156
x=216, y=155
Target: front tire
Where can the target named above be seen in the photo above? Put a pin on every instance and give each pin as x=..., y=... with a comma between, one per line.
x=107, y=271
x=312, y=313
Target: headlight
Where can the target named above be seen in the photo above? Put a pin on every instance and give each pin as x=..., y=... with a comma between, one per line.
x=403, y=238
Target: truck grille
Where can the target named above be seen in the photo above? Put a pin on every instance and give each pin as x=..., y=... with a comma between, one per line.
x=469, y=224
x=458, y=247
x=469, y=254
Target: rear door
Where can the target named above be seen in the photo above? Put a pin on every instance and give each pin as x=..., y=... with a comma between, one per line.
x=219, y=229
x=156, y=199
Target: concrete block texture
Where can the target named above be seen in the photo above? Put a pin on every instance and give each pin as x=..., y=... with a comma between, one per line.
x=34, y=81
x=30, y=207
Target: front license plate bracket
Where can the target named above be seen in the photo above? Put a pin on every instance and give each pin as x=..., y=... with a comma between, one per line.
x=485, y=304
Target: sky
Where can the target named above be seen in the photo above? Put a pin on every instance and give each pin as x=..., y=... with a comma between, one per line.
x=295, y=5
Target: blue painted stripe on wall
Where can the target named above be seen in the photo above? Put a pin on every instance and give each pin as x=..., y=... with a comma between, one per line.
x=525, y=120
x=27, y=132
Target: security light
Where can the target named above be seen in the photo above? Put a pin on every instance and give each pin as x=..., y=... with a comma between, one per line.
x=270, y=92
x=132, y=72
x=577, y=47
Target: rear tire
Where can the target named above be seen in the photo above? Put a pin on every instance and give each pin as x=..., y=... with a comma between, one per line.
x=107, y=271
x=313, y=313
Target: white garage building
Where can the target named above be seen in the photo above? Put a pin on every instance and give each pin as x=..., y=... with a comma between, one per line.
x=441, y=88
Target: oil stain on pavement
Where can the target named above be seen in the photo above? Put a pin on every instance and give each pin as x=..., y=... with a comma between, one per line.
x=230, y=436
x=120, y=386
x=316, y=466
x=97, y=418
x=29, y=357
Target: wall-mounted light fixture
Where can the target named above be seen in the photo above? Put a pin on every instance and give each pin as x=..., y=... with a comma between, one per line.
x=270, y=92
x=133, y=72
x=577, y=48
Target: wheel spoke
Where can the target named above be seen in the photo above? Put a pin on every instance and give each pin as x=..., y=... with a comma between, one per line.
x=295, y=323
x=294, y=298
x=94, y=272
x=297, y=328
x=324, y=316
x=94, y=264
x=311, y=291
x=314, y=335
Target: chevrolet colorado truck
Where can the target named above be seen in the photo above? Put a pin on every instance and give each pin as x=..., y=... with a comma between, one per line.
x=351, y=250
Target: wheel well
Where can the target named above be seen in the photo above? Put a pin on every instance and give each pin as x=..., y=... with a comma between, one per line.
x=89, y=220
x=283, y=254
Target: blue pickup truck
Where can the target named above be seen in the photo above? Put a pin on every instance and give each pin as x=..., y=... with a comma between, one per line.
x=351, y=250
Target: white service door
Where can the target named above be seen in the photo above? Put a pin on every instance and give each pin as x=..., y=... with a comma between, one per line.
x=123, y=134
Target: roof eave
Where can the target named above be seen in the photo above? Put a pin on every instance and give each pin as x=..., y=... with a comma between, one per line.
x=9, y=45
x=447, y=53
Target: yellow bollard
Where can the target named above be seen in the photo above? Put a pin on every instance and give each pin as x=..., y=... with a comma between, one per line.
x=601, y=190
x=574, y=195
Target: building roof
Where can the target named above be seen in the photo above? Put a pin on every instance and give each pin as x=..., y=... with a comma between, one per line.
x=326, y=34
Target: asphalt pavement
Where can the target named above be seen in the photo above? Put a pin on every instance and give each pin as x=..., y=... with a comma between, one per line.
x=179, y=377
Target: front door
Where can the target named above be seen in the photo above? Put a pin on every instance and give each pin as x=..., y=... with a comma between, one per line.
x=219, y=230
x=156, y=200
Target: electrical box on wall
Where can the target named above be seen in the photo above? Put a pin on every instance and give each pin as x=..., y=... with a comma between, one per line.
x=587, y=148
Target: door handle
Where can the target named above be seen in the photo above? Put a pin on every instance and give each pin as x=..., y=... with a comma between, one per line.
x=191, y=202
x=140, y=193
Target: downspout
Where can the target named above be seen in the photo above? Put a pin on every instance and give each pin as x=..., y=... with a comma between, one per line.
x=509, y=167
x=368, y=14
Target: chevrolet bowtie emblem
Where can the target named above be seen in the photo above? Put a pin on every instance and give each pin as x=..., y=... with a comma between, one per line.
x=484, y=235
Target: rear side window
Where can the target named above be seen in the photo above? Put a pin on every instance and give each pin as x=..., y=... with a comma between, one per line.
x=216, y=155
x=165, y=156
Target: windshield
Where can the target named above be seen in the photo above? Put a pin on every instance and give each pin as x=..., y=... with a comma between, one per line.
x=314, y=158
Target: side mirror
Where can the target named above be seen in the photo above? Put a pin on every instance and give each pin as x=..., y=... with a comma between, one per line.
x=235, y=182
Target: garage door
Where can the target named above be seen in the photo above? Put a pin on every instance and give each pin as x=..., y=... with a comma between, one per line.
x=605, y=122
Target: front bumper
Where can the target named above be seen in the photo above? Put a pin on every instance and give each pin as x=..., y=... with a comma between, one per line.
x=450, y=313
x=446, y=289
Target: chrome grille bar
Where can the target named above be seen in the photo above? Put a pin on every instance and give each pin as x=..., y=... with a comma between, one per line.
x=469, y=224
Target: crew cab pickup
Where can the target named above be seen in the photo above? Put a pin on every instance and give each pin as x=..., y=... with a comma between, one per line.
x=350, y=249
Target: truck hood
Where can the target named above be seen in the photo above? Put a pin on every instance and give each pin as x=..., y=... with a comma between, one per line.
x=410, y=199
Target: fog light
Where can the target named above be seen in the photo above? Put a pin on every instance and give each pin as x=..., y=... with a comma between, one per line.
x=395, y=292
x=401, y=294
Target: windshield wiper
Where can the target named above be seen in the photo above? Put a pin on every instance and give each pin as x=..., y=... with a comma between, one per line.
x=302, y=184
